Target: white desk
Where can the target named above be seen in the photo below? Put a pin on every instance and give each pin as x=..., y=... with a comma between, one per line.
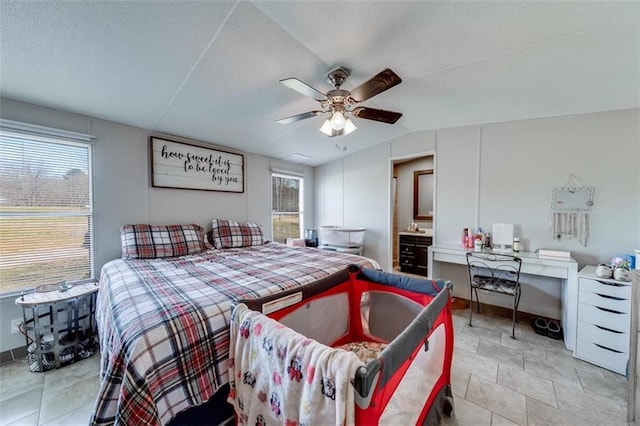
x=564, y=270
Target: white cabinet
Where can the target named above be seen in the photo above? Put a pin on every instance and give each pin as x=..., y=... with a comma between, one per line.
x=604, y=313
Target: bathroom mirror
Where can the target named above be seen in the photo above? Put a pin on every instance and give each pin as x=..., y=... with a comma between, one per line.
x=423, y=194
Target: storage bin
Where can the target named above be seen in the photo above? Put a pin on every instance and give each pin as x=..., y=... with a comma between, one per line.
x=341, y=237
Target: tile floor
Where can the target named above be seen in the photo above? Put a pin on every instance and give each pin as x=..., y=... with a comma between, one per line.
x=496, y=381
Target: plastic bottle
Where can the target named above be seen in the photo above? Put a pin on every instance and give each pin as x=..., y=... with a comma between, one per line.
x=465, y=236
x=517, y=245
x=477, y=244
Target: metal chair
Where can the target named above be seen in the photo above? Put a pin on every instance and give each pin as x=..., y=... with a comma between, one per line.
x=498, y=273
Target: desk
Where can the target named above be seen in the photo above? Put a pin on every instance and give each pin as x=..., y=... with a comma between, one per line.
x=564, y=270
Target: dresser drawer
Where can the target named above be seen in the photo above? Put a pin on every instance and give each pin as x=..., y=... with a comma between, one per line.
x=615, y=340
x=603, y=301
x=406, y=248
x=617, y=321
x=407, y=260
x=621, y=291
x=600, y=355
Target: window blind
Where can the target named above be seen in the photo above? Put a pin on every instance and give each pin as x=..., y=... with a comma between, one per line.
x=46, y=232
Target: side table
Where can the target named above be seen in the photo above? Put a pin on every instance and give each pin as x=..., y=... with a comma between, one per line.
x=59, y=324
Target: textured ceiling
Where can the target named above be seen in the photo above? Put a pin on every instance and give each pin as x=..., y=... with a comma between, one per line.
x=209, y=70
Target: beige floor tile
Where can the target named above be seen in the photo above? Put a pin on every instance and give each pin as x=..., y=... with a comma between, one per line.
x=459, y=382
x=481, y=332
x=466, y=342
x=498, y=399
x=63, y=377
x=77, y=417
x=498, y=420
x=541, y=414
x=527, y=384
x=65, y=400
x=599, y=408
x=468, y=413
x=467, y=363
x=16, y=378
x=525, y=344
x=552, y=371
x=504, y=356
x=596, y=382
x=31, y=420
x=20, y=406
x=503, y=324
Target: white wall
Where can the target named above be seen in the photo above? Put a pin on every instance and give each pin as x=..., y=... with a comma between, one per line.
x=122, y=191
x=505, y=173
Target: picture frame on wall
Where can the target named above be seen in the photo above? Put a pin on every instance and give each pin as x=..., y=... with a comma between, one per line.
x=182, y=165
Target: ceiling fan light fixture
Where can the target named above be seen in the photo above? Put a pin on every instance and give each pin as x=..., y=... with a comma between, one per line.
x=326, y=128
x=337, y=120
x=349, y=126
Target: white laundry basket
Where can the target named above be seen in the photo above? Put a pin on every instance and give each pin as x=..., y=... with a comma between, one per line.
x=342, y=239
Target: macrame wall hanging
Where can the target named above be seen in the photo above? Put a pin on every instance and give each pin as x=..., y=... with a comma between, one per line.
x=570, y=207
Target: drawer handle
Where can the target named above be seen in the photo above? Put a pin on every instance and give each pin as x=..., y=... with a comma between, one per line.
x=609, y=310
x=608, y=349
x=608, y=329
x=611, y=284
x=606, y=296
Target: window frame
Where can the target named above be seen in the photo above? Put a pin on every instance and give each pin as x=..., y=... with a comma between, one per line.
x=300, y=212
x=33, y=133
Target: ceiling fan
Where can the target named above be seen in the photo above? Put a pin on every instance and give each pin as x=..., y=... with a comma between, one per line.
x=339, y=104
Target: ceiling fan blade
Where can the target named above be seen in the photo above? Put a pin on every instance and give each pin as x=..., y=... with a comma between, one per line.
x=382, y=81
x=389, y=117
x=304, y=88
x=298, y=117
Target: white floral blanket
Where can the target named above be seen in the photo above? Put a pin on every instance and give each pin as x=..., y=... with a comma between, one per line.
x=280, y=377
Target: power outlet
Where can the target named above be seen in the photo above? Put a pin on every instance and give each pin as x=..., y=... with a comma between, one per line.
x=14, y=325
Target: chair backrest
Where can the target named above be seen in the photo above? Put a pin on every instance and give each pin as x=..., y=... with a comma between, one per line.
x=494, y=265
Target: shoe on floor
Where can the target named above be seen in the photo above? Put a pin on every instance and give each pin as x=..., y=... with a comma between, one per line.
x=540, y=326
x=554, y=330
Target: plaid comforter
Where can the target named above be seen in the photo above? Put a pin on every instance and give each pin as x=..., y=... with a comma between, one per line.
x=164, y=323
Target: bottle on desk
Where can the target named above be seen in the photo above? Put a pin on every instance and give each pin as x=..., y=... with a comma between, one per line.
x=517, y=245
x=477, y=244
x=465, y=237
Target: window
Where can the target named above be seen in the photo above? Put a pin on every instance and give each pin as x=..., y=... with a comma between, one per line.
x=286, y=207
x=45, y=210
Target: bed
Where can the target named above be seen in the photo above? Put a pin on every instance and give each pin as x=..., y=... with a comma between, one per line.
x=163, y=312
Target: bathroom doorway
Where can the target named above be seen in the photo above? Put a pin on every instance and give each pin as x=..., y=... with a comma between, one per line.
x=404, y=172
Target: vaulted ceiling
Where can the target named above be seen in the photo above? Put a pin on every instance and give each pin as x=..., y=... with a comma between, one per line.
x=210, y=70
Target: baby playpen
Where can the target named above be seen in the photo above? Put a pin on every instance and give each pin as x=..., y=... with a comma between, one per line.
x=289, y=369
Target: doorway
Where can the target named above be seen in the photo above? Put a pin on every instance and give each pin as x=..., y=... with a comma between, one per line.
x=402, y=199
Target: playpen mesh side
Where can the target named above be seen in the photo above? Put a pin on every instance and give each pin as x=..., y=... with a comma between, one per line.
x=384, y=315
x=417, y=384
x=324, y=319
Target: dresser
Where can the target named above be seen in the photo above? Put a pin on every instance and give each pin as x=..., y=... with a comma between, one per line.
x=414, y=252
x=604, y=314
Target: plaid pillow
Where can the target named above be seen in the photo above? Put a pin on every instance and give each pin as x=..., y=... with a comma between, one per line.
x=157, y=241
x=230, y=234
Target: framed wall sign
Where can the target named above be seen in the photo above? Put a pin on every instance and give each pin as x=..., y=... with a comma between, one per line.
x=186, y=166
